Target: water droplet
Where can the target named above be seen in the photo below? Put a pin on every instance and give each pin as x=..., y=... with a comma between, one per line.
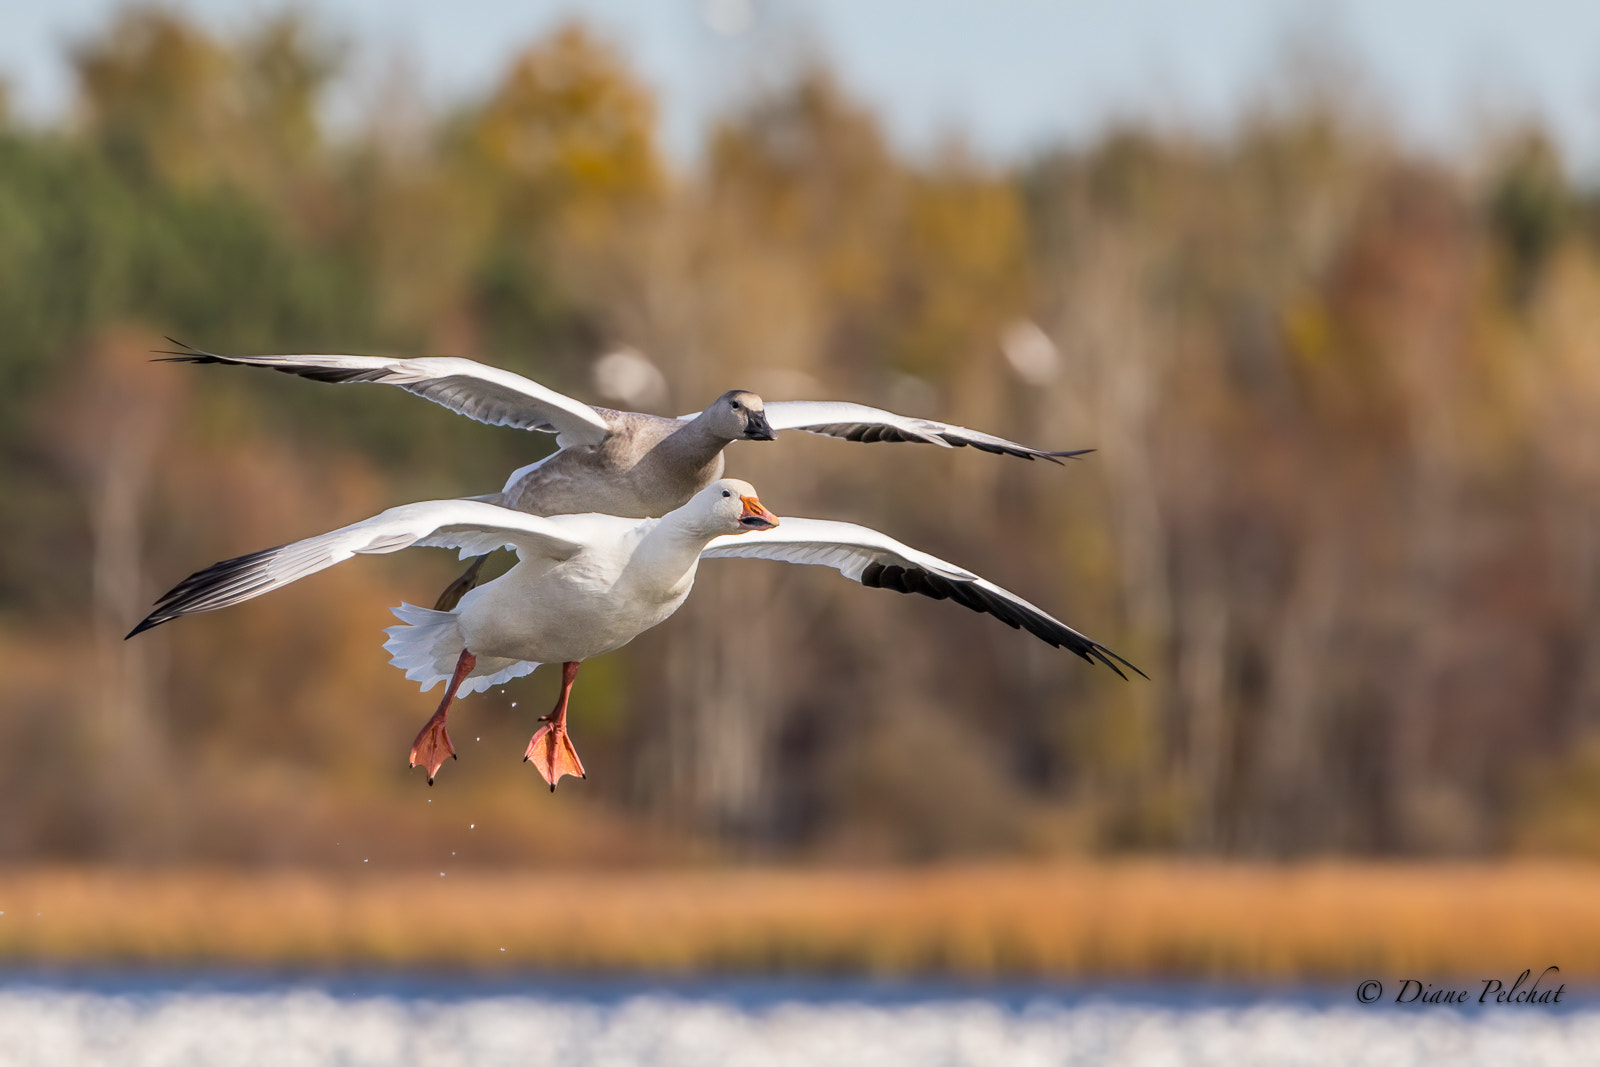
x=513, y=703
x=472, y=826
x=441, y=874
x=366, y=861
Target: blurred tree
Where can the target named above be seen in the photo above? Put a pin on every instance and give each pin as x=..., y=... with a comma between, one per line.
x=285, y=67
x=108, y=427
x=1341, y=509
x=568, y=130
x=165, y=99
x=810, y=172
x=1530, y=208
x=154, y=92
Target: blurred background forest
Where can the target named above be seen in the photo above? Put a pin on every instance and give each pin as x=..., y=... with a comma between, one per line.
x=1344, y=509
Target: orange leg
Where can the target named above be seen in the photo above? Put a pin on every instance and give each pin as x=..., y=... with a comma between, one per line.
x=433, y=743
x=551, y=750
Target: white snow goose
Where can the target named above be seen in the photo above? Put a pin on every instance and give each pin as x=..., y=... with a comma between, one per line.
x=585, y=585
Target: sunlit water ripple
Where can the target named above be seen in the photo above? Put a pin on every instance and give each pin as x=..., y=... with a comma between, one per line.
x=140, y=1021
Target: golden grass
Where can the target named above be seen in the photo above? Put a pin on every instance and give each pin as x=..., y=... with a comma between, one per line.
x=1125, y=919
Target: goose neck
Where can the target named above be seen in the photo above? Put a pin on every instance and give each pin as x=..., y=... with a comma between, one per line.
x=692, y=446
x=674, y=543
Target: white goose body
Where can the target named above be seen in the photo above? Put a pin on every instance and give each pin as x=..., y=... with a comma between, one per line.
x=630, y=576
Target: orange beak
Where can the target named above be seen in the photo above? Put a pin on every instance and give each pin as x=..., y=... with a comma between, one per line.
x=755, y=516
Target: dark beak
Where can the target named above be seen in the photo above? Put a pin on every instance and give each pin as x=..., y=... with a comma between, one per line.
x=755, y=516
x=758, y=428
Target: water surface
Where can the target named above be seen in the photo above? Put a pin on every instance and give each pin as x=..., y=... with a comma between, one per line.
x=225, y=1019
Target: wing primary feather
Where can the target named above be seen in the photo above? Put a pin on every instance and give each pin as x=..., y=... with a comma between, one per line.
x=880, y=562
x=988, y=602
x=965, y=594
x=487, y=394
x=216, y=586
x=330, y=375
x=868, y=425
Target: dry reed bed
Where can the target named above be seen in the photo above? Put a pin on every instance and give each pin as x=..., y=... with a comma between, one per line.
x=1132, y=919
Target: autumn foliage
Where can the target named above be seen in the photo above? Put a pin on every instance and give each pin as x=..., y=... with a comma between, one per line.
x=1345, y=399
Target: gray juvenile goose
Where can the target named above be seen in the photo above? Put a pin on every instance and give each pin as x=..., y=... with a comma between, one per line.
x=622, y=463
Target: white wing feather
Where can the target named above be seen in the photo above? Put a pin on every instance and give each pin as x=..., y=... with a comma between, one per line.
x=844, y=546
x=472, y=526
x=857, y=422
x=487, y=394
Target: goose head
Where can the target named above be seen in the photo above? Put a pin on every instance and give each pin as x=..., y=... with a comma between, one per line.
x=739, y=415
x=728, y=506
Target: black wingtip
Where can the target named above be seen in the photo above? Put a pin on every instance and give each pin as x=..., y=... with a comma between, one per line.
x=1099, y=655
x=1102, y=652
x=163, y=356
x=150, y=623
x=184, y=353
x=998, y=604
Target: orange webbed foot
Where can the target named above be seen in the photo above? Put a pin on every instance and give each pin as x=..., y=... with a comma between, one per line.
x=552, y=754
x=432, y=746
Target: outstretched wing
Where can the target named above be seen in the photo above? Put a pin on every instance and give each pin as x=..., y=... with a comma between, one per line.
x=879, y=561
x=857, y=422
x=488, y=394
x=470, y=525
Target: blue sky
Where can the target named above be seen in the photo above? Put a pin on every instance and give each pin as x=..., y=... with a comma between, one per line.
x=1011, y=75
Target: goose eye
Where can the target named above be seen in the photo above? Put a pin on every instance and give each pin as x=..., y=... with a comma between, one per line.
x=735, y=404
x=726, y=494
